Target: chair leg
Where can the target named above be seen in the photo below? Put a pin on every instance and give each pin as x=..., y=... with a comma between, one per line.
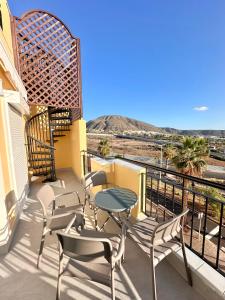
x=83, y=224
x=154, y=292
x=123, y=256
x=58, y=287
x=119, y=264
x=85, y=202
x=41, y=248
x=188, y=271
x=112, y=284
x=95, y=218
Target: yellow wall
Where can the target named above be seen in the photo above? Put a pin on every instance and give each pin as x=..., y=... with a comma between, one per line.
x=71, y=148
x=78, y=146
x=104, y=165
x=6, y=40
x=7, y=180
x=6, y=34
x=8, y=208
x=129, y=176
x=4, y=230
x=6, y=84
x=36, y=109
x=123, y=174
x=63, y=153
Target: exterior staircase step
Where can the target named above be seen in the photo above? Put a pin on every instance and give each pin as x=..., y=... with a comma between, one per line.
x=42, y=166
x=43, y=146
x=58, y=110
x=55, y=141
x=60, y=118
x=60, y=124
x=59, y=135
x=42, y=156
x=41, y=173
x=41, y=152
x=40, y=159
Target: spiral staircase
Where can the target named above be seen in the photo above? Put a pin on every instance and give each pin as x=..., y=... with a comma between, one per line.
x=43, y=130
x=47, y=58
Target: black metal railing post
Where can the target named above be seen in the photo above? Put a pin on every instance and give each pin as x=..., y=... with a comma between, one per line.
x=219, y=235
x=53, y=172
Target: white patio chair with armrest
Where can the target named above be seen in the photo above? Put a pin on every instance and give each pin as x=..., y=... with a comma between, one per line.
x=91, y=257
x=58, y=219
x=158, y=241
x=93, y=179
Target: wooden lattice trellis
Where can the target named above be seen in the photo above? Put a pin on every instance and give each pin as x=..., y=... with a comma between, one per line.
x=48, y=60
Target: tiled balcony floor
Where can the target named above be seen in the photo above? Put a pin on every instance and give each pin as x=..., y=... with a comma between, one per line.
x=20, y=280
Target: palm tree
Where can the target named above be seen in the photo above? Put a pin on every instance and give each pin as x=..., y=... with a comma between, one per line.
x=168, y=153
x=103, y=147
x=190, y=160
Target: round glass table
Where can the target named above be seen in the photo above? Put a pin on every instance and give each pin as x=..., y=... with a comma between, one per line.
x=115, y=200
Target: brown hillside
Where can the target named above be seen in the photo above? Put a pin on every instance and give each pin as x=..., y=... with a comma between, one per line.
x=119, y=124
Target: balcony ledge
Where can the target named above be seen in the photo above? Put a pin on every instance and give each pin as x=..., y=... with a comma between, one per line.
x=206, y=281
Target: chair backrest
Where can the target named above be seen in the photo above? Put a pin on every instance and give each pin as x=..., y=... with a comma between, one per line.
x=85, y=248
x=167, y=230
x=46, y=196
x=94, y=179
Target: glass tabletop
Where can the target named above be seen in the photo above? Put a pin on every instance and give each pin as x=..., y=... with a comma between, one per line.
x=115, y=199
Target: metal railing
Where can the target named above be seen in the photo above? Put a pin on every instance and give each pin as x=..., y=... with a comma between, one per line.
x=41, y=131
x=168, y=192
x=39, y=146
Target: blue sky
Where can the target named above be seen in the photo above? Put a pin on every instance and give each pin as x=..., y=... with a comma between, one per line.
x=154, y=61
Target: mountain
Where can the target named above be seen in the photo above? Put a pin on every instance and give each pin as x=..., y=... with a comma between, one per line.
x=114, y=123
x=206, y=132
x=119, y=124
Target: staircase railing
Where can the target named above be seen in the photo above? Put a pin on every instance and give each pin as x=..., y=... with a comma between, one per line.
x=40, y=145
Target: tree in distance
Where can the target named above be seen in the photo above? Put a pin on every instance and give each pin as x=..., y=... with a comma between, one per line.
x=104, y=148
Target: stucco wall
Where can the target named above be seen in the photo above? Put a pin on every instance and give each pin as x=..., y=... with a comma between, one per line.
x=11, y=197
x=126, y=175
x=4, y=150
x=14, y=93
x=63, y=153
x=71, y=148
x=6, y=34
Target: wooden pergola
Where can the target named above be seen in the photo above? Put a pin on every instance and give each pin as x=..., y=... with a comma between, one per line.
x=47, y=58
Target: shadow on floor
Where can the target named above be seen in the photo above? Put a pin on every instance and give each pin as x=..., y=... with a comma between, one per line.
x=20, y=280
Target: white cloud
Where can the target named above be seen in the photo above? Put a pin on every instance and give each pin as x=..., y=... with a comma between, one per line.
x=201, y=108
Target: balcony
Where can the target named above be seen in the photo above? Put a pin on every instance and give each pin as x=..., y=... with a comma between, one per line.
x=21, y=280
x=52, y=78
